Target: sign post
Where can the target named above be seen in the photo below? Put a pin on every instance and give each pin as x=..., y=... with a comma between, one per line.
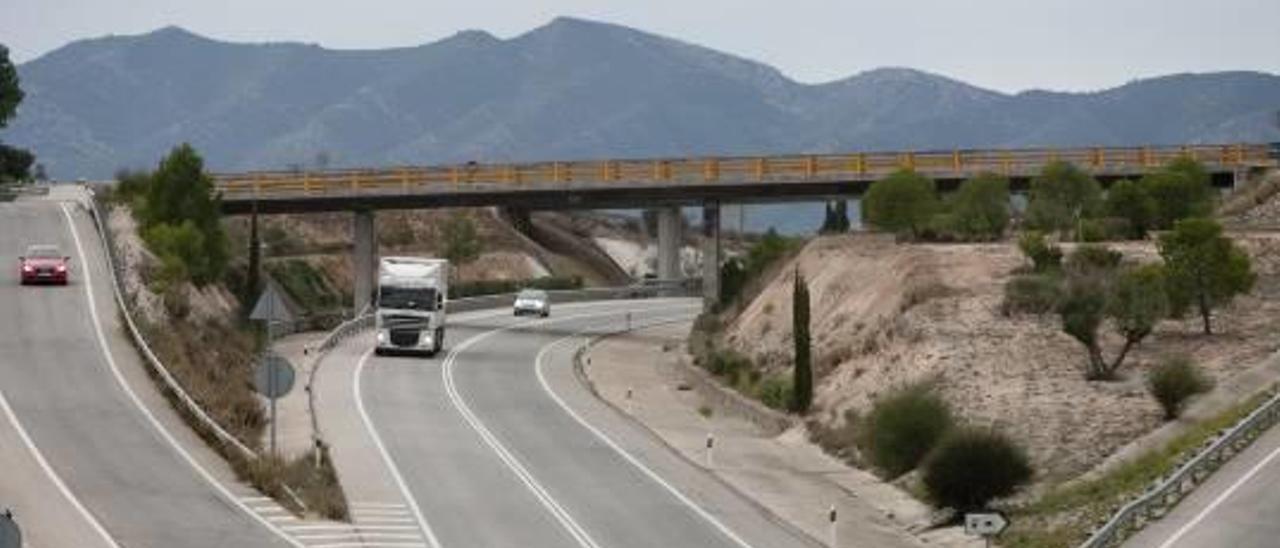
x=986, y=525
x=273, y=376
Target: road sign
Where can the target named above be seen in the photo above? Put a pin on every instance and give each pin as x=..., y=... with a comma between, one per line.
x=10, y=536
x=273, y=377
x=985, y=525
x=271, y=307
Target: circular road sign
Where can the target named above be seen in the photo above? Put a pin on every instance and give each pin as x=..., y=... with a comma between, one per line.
x=273, y=377
x=10, y=536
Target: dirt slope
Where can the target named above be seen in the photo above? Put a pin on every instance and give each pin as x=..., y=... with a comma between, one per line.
x=886, y=314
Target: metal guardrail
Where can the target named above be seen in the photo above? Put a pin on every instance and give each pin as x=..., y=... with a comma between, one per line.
x=171, y=383
x=763, y=169
x=1165, y=494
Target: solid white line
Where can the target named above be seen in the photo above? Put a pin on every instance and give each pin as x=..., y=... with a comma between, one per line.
x=423, y=526
x=371, y=545
x=558, y=512
x=1177, y=535
x=542, y=379
x=359, y=536
x=57, y=481
x=87, y=282
x=349, y=527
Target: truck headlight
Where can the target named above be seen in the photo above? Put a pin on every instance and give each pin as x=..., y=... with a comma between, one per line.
x=382, y=337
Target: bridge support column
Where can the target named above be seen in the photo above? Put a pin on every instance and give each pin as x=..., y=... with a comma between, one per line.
x=710, y=254
x=364, y=259
x=669, y=239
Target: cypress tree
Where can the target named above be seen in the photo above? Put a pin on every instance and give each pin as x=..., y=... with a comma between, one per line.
x=802, y=387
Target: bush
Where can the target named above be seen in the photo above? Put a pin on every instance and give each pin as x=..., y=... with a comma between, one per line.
x=775, y=391
x=305, y=285
x=1088, y=259
x=901, y=203
x=971, y=467
x=1031, y=294
x=1044, y=257
x=1061, y=196
x=1130, y=201
x=980, y=207
x=1175, y=381
x=1179, y=191
x=727, y=364
x=903, y=426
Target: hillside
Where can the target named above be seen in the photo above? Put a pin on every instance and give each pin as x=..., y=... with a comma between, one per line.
x=569, y=89
x=886, y=315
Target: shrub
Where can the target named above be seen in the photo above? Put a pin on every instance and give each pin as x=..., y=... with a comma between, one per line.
x=903, y=426
x=775, y=391
x=1044, y=257
x=901, y=203
x=1175, y=381
x=727, y=363
x=970, y=467
x=1179, y=191
x=980, y=207
x=1130, y=201
x=1061, y=196
x=1031, y=294
x=1090, y=259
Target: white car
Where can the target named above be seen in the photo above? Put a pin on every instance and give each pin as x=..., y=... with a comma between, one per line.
x=532, y=301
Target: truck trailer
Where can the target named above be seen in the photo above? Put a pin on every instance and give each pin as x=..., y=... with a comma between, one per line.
x=410, y=303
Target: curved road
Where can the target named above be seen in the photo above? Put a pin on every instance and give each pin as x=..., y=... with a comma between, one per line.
x=498, y=445
x=1236, y=507
x=126, y=483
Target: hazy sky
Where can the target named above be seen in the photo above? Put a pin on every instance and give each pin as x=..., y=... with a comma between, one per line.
x=1008, y=45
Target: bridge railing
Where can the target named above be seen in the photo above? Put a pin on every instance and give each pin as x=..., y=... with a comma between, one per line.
x=738, y=169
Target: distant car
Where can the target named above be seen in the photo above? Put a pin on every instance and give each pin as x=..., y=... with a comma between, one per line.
x=43, y=264
x=533, y=301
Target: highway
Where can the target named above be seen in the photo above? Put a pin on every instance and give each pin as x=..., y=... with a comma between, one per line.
x=1236, y=507
x=90, y=455
x=497, y=444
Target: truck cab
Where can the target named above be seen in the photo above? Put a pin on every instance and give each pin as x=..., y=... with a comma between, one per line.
x=410, y=305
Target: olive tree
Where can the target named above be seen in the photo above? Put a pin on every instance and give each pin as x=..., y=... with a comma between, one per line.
x=1206, y=269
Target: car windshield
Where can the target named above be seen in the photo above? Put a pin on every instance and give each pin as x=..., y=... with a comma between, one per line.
x=411, y=298
x=532, y=295
x=43, y=251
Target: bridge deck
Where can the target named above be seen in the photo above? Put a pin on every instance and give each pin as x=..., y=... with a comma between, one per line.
x=623, y=183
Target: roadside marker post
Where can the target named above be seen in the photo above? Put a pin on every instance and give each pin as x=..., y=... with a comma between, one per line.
x=831, y=518
x=711, y=442
x=629, y=410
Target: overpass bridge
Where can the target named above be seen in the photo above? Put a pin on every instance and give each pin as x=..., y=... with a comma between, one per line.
x=666, y=184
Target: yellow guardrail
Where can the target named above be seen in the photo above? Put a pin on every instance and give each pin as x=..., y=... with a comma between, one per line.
x=786, y=168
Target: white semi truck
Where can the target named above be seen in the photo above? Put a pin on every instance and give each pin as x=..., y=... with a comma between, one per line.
x=410, y=305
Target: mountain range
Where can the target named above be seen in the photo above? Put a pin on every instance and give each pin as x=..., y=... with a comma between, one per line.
x=567, y=90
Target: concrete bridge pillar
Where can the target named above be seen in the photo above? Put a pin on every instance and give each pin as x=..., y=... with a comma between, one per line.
x=710, y=254
x=364, y=259
x=669, y=239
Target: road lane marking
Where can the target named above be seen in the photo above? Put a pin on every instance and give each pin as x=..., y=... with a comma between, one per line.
x=1177, y=535
x=377, y=438
x=87, y=282
x=538, y=361
x=48, y=470
x=422, y=525
x=504, y=454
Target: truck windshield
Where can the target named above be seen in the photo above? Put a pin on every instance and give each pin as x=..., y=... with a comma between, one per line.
x=411, y=298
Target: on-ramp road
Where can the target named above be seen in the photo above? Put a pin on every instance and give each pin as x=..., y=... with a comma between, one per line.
x=498, y=445
x=97, y=472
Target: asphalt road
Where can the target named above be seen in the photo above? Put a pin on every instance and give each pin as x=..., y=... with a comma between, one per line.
x=65, y=395
x=1237, y=507
x=499, y=445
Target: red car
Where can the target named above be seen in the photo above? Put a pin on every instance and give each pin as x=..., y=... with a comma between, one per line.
x=44, y=264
